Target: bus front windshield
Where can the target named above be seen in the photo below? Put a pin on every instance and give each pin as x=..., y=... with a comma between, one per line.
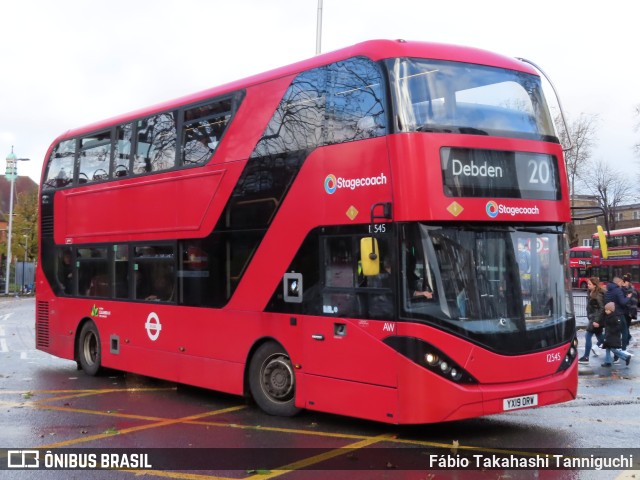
x=504, y=288
x=453, y=97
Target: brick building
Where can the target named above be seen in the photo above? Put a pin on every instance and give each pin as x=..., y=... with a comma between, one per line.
x=626, y=216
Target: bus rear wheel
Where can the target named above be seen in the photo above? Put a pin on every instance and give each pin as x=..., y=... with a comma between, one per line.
x=89, y=350
x=272, y=380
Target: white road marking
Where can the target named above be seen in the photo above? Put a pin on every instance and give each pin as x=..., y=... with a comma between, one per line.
x=3, y=346
x=2, y=334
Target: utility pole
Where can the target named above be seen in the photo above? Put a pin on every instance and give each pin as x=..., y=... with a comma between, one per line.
x=319, y=29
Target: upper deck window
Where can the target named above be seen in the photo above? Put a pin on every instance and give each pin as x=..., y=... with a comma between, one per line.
x=156, y=144
x=450, y=97
x=340, y=102
x=202, y=130
x=94, y=158
x=60, y=171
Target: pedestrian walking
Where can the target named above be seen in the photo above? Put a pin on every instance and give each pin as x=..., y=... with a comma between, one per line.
x=630, y=292
x=613, y=335
x=595, y=310
x=615, y=294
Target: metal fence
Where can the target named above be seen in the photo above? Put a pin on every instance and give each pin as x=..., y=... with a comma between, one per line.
x=580, y=304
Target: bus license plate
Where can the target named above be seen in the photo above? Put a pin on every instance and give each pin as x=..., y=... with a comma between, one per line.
x=524, y=401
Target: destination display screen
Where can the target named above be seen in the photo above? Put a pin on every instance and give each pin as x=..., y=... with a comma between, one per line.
x=496, y=173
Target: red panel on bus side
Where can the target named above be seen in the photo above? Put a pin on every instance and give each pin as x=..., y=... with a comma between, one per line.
x=344, y=355
x=143, y=208
x=337, y=396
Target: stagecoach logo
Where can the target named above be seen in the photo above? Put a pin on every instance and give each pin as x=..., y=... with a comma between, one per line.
x=333, y=183
x=494, y=209
x=330, y=184
x=153, y=326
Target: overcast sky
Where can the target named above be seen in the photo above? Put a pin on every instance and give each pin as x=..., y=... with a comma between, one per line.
x=66, y=63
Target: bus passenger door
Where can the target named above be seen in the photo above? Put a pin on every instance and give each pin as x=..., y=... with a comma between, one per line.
x=343, y=341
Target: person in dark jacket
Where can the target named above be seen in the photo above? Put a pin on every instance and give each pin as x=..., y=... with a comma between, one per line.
x=595, y=309
x=616, y=295
x=629, y=290
x=612, y=335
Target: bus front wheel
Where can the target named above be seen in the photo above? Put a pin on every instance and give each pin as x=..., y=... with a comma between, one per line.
x=89, y=351
x=272, y=380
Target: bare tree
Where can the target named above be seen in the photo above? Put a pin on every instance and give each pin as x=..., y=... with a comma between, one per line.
x=610, y=187
x=582, y=132
x=581, y=135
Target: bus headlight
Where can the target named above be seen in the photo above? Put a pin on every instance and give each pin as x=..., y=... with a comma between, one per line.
x=570, y=356
x=429, y=357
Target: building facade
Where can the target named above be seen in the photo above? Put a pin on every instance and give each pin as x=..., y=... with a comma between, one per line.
x=625, y=216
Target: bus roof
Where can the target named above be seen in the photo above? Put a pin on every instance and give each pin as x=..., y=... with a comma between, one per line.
x=373, y=49
x=621, y=231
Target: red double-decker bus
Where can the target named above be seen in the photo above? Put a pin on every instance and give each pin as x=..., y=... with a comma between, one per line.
x=580, y=266
x=376, y=232
x=623, y=248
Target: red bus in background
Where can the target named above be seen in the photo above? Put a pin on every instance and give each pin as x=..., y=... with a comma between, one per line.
x=580, y=266
x=375, y=232
x=623, y=247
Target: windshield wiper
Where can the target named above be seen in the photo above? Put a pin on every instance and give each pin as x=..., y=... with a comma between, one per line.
x=472, y=131
x=442, y=129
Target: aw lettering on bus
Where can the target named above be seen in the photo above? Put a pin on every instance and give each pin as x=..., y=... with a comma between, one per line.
x=319, y=253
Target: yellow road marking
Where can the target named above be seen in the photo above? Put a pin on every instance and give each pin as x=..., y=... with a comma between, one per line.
x=86, y=390
x=195, y=420
x=162, y=423
x=336, y=452
x=183, y=476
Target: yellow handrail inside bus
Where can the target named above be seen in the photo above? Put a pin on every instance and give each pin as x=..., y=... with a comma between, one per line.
x=370, y=266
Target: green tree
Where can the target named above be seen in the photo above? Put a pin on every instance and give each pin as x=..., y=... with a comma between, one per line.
x=25, y=226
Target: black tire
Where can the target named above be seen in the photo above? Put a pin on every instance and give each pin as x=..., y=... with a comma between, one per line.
x=583, y=285
x=272, y=380
x=89, y=350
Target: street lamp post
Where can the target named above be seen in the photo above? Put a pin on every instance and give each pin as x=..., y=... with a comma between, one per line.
x=11, y=173
x=319, y=29
x=26, y=249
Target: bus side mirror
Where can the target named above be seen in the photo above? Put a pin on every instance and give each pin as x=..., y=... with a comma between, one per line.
x=369, y=256
x=603, y=242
